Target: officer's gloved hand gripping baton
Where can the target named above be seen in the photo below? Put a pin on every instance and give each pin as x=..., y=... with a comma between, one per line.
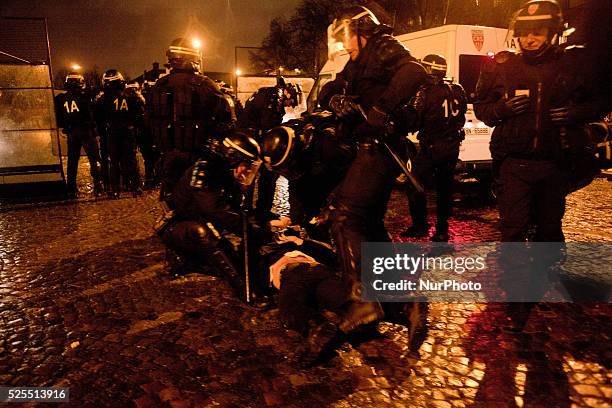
x=415, y=183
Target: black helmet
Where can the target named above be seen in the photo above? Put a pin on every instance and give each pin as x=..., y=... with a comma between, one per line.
x=183, y=55
x=238, y=148
x=133, y=88
x=284, y=148
x=435, y=65
x=539, y=13
x=74, y=81
x=536, y=15
x=113, y=79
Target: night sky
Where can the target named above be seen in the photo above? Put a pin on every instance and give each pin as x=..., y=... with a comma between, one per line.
x=129, y=35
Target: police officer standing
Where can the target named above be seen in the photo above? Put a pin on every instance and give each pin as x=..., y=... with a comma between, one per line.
x=184, y=110
x=380, y=76
x=537, y=100
x=75, y=115
x=438, y=113
x=120, y=114
x=144, y=140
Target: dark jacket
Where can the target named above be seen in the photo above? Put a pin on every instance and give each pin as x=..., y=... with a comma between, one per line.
x=555, y=79
x=206, y=192
x=185, y=109
x=263, y=110
x=74, y=109
x=384, y=75
x=115, y=109
x=439, y=110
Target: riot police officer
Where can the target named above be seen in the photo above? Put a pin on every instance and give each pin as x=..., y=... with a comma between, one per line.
x=438, y=113
x=537, y=100
x=144, y=140
x=75, y=116
x=206, y=207
x=380, y=76
x=184, y=110
x=309, y=154
x=120, y=114
x=263, y=111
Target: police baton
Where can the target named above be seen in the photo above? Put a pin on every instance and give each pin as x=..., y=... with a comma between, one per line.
x=415, y=183
x=245, y=248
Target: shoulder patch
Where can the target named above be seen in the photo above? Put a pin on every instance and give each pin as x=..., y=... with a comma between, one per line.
x=504, y=56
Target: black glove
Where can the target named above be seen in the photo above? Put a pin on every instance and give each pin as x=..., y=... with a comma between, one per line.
x=343, y=105
x=513, y=106
x=562, y=116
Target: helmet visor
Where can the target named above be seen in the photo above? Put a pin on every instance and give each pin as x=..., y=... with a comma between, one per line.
x=246, y=172
x=338, y=35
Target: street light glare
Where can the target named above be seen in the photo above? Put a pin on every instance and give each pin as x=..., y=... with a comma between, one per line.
x=75, y=67
x=197, y=43
x=238, y=72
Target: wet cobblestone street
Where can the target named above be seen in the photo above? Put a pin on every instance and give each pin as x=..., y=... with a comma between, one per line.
x=85, y=303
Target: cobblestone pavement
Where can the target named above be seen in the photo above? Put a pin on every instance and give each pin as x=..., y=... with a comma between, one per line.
x=85, y=304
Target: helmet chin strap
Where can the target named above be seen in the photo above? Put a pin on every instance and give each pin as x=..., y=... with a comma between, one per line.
x=535, y=54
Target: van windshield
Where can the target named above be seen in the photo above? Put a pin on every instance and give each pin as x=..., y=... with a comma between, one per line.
x=469, y=71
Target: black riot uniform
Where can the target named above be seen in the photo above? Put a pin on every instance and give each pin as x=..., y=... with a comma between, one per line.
x=382, y=77
x=309, y=153
x=538, y=101
x=184, y=110
x=263, y=111
x=120, y=113
x=74, y=111
x=144, y=139
x=205, y=203
x=438, y=113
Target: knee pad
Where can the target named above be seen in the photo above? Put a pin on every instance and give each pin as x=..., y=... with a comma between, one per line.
x=203, y=235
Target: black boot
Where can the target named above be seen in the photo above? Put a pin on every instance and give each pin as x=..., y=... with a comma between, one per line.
x=440, y=236
x=416, y=231
x=359, y=314
x=322, y=334
x=176, y=263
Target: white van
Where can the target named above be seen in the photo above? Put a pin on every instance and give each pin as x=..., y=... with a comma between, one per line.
x=465, y=48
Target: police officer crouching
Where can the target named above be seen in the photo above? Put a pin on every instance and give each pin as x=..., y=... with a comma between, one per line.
x=438, y=113
x=206, y=204
x=75, y=116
